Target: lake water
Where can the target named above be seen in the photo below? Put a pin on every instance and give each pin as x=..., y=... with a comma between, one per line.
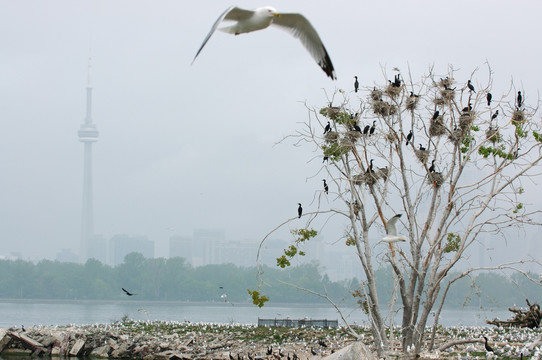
x=14, y=313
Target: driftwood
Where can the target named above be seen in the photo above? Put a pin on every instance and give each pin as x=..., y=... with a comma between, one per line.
x=529, y=318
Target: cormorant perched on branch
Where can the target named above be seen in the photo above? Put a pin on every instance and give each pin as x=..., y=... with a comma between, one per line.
x=356, y=127
x=422, y=148
x=366, y=129
x=470, y=86
x=327, y=128
x=494, y=116
x=356, y=84
x=489, y=97
x=372, y=131
x=435, y=115
x=409, y=137
x=370, y=168
x=326, y=158
x=520, y=99
x=299, y=210
x=432, y=167
x=326, y=188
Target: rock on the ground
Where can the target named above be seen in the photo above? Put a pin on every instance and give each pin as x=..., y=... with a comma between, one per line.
x=355, y=351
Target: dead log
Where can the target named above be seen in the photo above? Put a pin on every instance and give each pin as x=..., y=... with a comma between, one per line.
x=530, y=318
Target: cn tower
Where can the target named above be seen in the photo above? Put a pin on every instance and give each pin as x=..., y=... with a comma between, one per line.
x=87, y=135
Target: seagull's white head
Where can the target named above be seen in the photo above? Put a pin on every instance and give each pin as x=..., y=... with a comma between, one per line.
x=269, y=11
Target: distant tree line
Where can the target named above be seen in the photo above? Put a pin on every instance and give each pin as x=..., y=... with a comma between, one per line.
x=176, y=280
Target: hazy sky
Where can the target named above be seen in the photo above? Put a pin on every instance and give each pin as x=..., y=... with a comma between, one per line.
x=184, y=147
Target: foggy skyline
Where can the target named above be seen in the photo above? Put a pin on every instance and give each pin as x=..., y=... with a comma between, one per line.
x=186, y=147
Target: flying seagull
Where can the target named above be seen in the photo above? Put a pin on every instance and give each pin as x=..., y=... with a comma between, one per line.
x=252, y=20
x=127, y=292
x=391, y=231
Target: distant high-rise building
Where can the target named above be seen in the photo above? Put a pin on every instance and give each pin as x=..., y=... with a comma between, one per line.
x=205, y=249
x=87, y=135
x=122, y=245
x=97, y=248
x=181, y=246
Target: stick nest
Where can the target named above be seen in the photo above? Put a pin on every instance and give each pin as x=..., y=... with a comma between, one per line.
x=390, y=137
x=411, y=103
x=382, y=108
x=519, y=116
x=332, y=112
x=376, y=95
x=465, y=120
x=422, y=155
x=393, y=91
x=352, y=136
x=437, y=127
x=457, y=135
x=331, y=137
x=446, y=82
x=492, y=135
x=436, y=179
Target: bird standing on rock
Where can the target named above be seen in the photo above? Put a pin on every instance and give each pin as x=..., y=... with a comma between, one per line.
x=486, y=346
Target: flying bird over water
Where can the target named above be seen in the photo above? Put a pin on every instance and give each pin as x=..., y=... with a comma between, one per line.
x=127, y=292
x=391, y=231
x=252, y=20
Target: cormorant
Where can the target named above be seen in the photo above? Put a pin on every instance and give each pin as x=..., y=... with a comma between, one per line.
x=372, y=131
x=326, y=158
x=435, y=115
x=489, y=97
x=391, y=231
x=366, y=129
x=357, y=128
x=356, y=84
x=370, y=168
x=520, y=99
x=299, y=210
x=127, y=292
x=409, y=137
x=396, y=81
x=327, y=128
x=486, y=346
x=432, y=167
x=326, y=188
x=422, y=148
x=470, y=86
x=494, y=116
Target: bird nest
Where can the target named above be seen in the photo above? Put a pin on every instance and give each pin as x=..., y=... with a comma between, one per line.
x=437, y=127
x=358, y=179
x=390, y=137
x=447, y=94
x=352, y=136
x=436, y=179
x=446, y=82
x=331, y=112
x=411, y=103
x=422, y=155
x=382, y=108
x=370, y=178
x=492, y=135
x=383, y=173
x=519, y=116
x=465, y=120
x=393, y=91
x=457, y=136
x=376, y=95
x=331, y=137
x=439, y=101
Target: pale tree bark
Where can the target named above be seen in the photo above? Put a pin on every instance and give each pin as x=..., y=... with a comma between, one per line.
x=458, y=181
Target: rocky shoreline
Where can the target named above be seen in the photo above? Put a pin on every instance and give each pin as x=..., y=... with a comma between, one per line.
x=186, y=341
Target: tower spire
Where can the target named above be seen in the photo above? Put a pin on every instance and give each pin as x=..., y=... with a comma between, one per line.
x=88, y=134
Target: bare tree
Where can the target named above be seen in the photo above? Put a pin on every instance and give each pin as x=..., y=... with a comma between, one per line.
x=441, y=153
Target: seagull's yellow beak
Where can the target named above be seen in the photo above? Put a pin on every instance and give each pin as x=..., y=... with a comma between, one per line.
x=276, y=14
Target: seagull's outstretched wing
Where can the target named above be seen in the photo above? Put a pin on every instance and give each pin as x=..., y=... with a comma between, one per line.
x=232, y=13
x=302, y=29
x=391, y=230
